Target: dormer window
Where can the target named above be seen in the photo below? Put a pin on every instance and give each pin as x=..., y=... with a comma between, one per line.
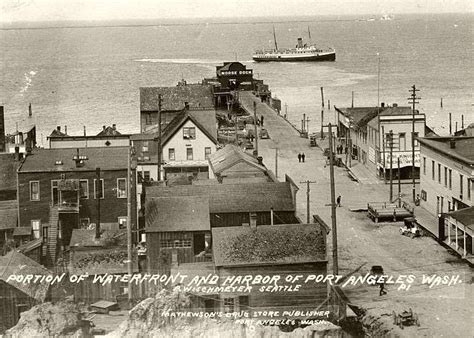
x=189, y=133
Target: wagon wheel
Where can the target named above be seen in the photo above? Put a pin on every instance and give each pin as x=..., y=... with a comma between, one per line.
x=394, y=317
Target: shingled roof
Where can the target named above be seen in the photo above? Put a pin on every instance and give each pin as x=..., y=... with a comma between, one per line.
x=173, y=98
x=268, y=244
x=229, y=156
x=15, y=263
x=41, y=160
x=243, y=197
x=177, y=214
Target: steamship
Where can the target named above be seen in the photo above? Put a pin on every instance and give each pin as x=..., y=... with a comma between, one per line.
x=302, y=52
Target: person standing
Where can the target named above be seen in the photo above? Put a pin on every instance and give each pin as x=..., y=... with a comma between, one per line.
x=261, y=121
x=303, y=156
x=338, y=201
x=382, y=289
x=299, y=157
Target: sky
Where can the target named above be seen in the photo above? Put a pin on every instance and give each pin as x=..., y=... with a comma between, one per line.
x=68, y=10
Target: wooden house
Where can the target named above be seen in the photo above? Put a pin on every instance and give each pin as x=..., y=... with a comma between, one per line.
x=59, y=190
x=16, y=297
x=187, y=142
x=232, y=165
x=98, y=257
x=108, y=137
x=240, y=204
x=273, y=251
x=178, y=231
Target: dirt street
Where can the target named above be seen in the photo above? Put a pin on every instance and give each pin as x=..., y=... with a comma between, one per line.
x=444, y=311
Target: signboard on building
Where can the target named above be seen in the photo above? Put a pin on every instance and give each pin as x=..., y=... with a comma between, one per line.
x=405, y=159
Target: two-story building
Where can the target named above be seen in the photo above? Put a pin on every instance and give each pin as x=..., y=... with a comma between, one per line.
x=64, y=189
x=187, y=142
x=447, y=173
x=366, y=132
x=109, y=136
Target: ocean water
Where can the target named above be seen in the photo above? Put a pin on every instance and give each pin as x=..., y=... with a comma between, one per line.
x=89, y=76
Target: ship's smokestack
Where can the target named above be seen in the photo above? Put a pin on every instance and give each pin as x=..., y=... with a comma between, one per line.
x=300, y=43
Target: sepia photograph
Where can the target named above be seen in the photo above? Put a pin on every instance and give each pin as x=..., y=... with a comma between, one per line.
x=238, y=168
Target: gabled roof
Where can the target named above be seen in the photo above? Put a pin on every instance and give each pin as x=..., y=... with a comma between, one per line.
x=227, y=198
x=209, y=128
x=268, y=244
x=468, y=131
x=173, y=98
x=229, y=156
x=56, y=133
x=44, y=160
x=8, y=168
x=8, y=214
x=15, y=263
x=30, y=245
x=463, y=151
x=464, y=216
x=109, y=131
x=177, y=214
x=361, y=116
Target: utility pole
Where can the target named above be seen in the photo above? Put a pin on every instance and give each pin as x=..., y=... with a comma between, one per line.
x=322, y=120
x=390, y=145
x=413, y=100
x=276, y=162
x=450, y=125
x=352, y=102
x=308, y=182
x=307, y=125
x=399, y=185
x=159, y=151
x=98, y=195
x=383, y=153
x=333, y=205
x=255, y=126
x=286, y=111
x=378, y=81
x=129, y=219
x=304, y=123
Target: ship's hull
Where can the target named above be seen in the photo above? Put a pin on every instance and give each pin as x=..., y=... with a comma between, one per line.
x=270, y=57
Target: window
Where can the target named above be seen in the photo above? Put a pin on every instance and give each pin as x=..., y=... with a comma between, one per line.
x=243, y=303
x=171, y=154
x=36, y=225
x=228, y=305
x=176, y=243
x=145, y=147
x=432, y=170
x=149, y=119
x=439, y=173
x=84, y=188
x=122, y=222
x=207, y=152
x=121, y=188
x=189, y=133
x=55, y=191
x=99, y=190
x=450, y=179
x=469, y=185
x=445, y=177
x=461, y=186
x=415, y=135
x=189, y=154
x=44, y=232
x=423, y=195
x=34, y=191
x=424, y=165
x=84, y=223
x=402, y=141
x=146, y=175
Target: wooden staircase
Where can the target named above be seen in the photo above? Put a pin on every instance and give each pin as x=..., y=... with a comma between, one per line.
x=53, y=230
